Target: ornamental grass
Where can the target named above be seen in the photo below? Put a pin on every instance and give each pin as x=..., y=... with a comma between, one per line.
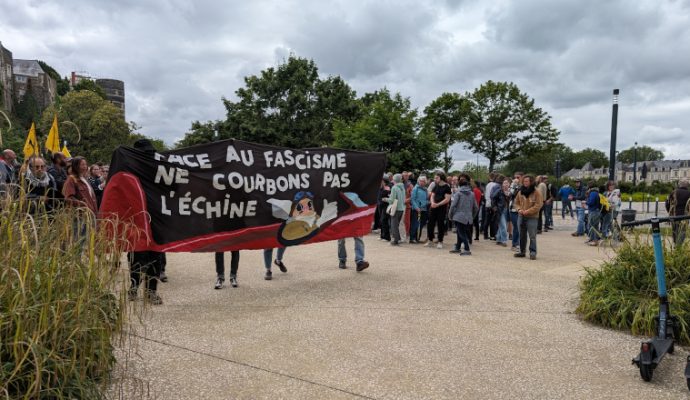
x=622, y=293
x=62, y=307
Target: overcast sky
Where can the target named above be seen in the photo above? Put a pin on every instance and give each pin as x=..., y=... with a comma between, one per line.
x=179, y=57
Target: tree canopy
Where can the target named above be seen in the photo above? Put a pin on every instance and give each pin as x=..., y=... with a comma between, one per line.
x=445, y=118
x=644, y=153
x=504, y=123
x=99, y=123
x=388, y=124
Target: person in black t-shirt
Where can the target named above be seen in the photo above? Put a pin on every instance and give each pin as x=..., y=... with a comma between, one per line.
x=440, y=197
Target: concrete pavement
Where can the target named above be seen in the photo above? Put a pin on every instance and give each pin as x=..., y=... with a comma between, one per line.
x=420, y=323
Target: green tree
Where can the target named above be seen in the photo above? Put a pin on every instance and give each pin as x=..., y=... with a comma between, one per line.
x=504, y=123
x=597, y=158
x=85, y=114
x=27, y=110
x=543, y=161
x=158, y=144
x=285, y=106
x=200, y=133
x=644, y=153
x=388, y=124
x=62, y=83
x=445, y=117
x=88, y=84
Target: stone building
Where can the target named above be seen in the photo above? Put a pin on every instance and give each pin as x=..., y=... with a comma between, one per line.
x=30, y=77
x=6, y=81
x=114, y=92
x=663, y=171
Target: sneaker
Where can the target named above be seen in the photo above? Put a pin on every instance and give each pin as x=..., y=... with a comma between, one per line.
x=132, y=294
x=455, y=251
x=575, y=234
x=439, y=245
x=233, y=281
x=501, y=244
x=412, y=241
x=532, y=256
x=219, y=283
x=163, y=277
x=466, y=253
x=428, y=243
x=280, y=265
x=154, y=299
x=594, y=243
x=515, y=249
x=520, y=255
x=395, y=243
x=342, y=265
x=362, y=265
x=268, y=275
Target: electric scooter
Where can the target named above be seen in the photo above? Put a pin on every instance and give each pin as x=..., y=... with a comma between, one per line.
x=667, y=326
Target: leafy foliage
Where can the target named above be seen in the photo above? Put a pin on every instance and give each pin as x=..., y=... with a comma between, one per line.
x=622, y=294
x=88, y=84
x=644, y=153
x=287, y=106
x=446, y=117
x=100, y=124
x=504, y=123
x=388, y=124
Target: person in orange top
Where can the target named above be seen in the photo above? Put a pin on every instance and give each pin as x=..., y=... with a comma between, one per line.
x=528, y=203
x=77, y=190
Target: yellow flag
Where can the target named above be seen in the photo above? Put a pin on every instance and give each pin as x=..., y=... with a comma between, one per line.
x=31, y=144
x=65, y=151
x=53, y=141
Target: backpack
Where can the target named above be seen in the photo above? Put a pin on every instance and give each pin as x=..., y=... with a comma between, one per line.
x=604, y=203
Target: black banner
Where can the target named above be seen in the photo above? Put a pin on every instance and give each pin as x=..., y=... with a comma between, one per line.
x=233, y=195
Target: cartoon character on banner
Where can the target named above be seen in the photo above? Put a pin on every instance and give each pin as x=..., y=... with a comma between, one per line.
x=302, y=222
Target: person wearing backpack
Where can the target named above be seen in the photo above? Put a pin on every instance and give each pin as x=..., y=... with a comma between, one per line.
x=594, y=207
x=606, y=214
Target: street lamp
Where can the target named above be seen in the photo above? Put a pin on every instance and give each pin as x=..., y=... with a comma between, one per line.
x=635, y=165
x=614, y=128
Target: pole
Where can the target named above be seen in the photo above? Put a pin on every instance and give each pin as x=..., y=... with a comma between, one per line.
x=635, y=167
x=614, y=128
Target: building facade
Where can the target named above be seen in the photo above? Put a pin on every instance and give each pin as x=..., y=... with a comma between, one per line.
x=667, y=171
x=114, y=92
x=29, y=77
x=6, y=80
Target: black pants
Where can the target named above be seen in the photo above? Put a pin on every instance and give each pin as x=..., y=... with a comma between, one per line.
x=146, y=266
x=234, y=263
x=475, y=225
x=377, y=218
x=437, y=219
x=490, y=223
x=385, y=225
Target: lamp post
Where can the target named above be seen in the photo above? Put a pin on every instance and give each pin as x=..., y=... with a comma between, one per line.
x=635, y=165
x=614, y=128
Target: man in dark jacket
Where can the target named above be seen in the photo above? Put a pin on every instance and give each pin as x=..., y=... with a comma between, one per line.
x=677, y=205
x=580, y=197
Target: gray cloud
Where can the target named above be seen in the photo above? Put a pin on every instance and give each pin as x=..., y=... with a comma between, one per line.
x=178, y=58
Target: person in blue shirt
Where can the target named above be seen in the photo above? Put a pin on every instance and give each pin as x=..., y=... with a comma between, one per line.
x=567, y=194
x=419, y=202
x=594, y=207
x=580, y=199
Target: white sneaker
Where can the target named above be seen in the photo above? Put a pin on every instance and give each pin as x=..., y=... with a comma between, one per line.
x=439, y=246
x=428, y=243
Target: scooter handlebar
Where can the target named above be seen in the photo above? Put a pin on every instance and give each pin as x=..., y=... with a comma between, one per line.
x=650, y=220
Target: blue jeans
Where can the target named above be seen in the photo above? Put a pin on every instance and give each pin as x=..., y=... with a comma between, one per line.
x=359, y=250
x=594, y=224
x=516, y=228
x=548, y=215
x=502, y=233
x=268, y=256
x=566, y=205
x=580, y=220
x=417, y=221
x=606, y=221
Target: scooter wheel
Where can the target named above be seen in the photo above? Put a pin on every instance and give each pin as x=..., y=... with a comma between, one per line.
x=646, y=372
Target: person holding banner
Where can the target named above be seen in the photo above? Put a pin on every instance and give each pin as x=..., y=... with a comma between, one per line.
x=220, y=268
x=359, y=254
x=268, y=255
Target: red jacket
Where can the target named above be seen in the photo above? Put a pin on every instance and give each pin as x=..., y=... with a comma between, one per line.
x=79, y=193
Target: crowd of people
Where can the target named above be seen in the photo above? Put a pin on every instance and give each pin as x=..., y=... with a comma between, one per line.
x=508, y=211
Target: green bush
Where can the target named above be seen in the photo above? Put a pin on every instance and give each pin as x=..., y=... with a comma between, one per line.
x=638, y=196
x=622, y=294
x=61, y=305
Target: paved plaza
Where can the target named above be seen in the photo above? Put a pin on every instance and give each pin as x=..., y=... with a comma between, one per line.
x=420, y=323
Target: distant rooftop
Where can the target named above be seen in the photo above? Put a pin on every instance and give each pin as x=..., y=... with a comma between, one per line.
x=26, y=67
